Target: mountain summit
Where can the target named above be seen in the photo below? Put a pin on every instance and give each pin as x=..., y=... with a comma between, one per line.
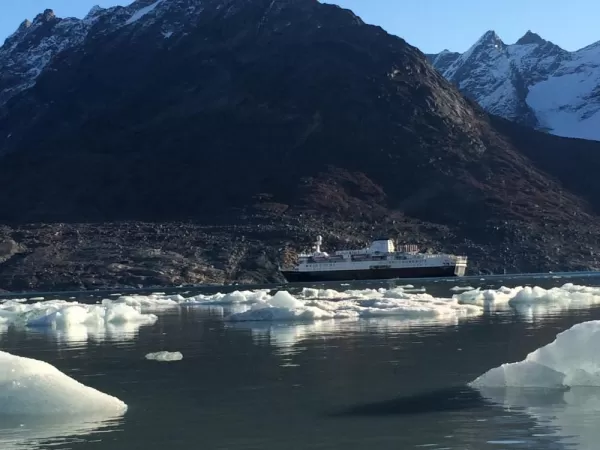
x=532, y=82
x=265, y=115
x=531, y=38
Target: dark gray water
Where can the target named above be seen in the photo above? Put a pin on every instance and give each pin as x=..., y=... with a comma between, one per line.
x=378, y=383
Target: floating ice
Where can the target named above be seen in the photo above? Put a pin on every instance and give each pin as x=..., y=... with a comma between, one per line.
x=165, y=356
x=74, y=322
x=534, y=299
x=571, y=360
x=152, y=301
x=64, y=314
x=483, y=297
x=32, y=387
x=370, y=303
x=231, y=298
x=462, y=288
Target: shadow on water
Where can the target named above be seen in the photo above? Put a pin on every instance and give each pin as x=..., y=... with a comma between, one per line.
x=454, y=398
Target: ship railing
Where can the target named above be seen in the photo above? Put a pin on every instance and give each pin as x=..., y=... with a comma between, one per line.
x=417, y=255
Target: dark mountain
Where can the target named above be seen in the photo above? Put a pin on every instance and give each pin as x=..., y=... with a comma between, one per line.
x=289, y=118
x=532, y=82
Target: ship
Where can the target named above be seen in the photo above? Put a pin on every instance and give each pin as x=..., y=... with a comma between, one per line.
x=380, y=261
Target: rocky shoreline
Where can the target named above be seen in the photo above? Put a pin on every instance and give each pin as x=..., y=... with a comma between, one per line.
x=61, y=257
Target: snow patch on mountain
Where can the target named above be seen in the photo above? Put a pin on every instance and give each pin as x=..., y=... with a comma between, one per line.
x=533, y=82
x=562, y=106
x=30, y=49
x=142, y=12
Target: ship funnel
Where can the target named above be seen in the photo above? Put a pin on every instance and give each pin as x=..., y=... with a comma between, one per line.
x=318, y=244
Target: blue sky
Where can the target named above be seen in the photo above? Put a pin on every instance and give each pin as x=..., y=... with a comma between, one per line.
x=431, y=25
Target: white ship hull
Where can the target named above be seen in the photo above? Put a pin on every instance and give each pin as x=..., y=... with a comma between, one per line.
x=372, y=274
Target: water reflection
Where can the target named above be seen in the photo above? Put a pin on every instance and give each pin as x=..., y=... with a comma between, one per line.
x=76, y=335
x=285, y=336
x=81, y=334
x=571, y=415
x=36, y=432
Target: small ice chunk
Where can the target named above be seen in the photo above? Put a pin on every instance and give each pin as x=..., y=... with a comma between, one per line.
x=462, y=288
x=165, y=356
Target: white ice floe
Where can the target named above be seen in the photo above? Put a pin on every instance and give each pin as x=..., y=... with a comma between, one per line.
x=152, y=302
x=63, y=314
x=165, y=356
x=487, y=296
x=32, y=387
x=230, y=298
x=526, y=299
x=307, y=305
x=462, y=288
x=571, y=360
x=372, y=303
x=73, y=322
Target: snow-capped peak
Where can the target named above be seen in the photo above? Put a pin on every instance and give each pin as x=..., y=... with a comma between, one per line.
x=489, y=38
x=533, y=81
x=487, y=46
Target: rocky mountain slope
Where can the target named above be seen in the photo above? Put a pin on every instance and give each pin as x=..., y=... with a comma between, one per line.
x=532, y=82
x=235, y=129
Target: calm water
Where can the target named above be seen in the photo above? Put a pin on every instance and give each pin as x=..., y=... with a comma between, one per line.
x=384, y=383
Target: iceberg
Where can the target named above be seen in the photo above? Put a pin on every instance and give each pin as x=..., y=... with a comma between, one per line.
x=572, y=359
x=32, y=387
